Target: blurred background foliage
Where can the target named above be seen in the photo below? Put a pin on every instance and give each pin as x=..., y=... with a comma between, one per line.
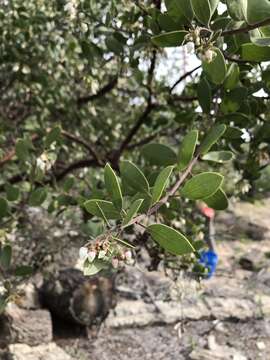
x=82, y=84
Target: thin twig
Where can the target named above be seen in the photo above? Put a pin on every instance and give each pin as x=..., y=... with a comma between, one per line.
x=173, y=190
x=82, y=142
x=183, y=77
x=104, y=90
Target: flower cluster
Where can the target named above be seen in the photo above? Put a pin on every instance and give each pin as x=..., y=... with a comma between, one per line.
x=193, y=38
x=207, y=55
x=71, y=8
x=107, y=251
x=43, y=162
x=195, y=42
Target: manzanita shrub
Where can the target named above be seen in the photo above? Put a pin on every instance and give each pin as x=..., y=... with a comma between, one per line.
x=134, y=199
x=89, y=122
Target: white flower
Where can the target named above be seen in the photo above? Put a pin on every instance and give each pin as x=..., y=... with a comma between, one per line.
x=245, y=135
x=26, y=69
x=83, y=252
x=209, y=56
x=71, y=8
x=41, y=165
x=44, y=163
x=91, y=255
x=84, y=27
x=16, y=67
x=128, y=255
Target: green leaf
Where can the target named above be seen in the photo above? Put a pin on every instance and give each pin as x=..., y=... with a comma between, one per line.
x=38, y=196
x=5, y=256
x=147, y=200
x=251, y=52
x=255, y=11
x=213, y=5
x=68, y=184
x=202, y=185
x=187, y=149
x=235, y=9
x=217, y=201
x=22, y=149
x=170, y=239
x=258, y=38
x=64, y=200
x=93, y=268
x=238, y=119
x=133, y=176
x=216, y=70
x=174, y=9
x=186, y=7
x=102, y=215
x=218, y=156
x=170, y=39
x=113, y=187
x=161, y=183
x=3, y=207
x=153, y=25
x=167, y=23
x=12, y=192
x=114, y=45
x=23, y=270
x=204, y=95
x=232, y=77
x=202, y=10
x=233, y=100
x=159, y=154
x=233, y=133
x=53, y=136
x=212, y=137
x=133, y=210
x=100, y=208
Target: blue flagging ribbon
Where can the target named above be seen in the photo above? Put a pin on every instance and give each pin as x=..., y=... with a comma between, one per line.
x=210, y=260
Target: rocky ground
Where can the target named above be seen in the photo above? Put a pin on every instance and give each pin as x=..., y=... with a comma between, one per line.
x=226, y=317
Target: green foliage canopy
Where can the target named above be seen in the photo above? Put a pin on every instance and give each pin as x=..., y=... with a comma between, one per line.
x=81, y=88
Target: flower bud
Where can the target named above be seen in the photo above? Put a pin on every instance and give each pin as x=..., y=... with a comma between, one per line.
x=208, y=56
x=128, y=255
x=41, y=165
x=91, y=255
x=83, y=252
x=121, y=264
x=84, y=27
x=115, y=263
x=245, y=135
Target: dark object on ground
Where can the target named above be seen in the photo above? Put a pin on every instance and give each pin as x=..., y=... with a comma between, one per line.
x=247, y=264
x=32, y=327
x=75, y=298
